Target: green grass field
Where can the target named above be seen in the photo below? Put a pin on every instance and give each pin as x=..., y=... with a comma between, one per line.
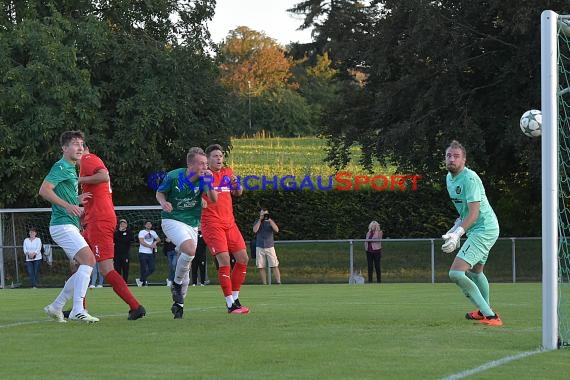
x=388, y=331
x=288, y=156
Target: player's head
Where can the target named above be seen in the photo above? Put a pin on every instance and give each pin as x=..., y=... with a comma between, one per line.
x=215, y=156
x=71, y=143
x=455, y=156
x=32, y=232
x=196, y=160
x=148, y=225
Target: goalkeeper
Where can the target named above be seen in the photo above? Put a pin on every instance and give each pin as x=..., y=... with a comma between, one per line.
x=477, y=218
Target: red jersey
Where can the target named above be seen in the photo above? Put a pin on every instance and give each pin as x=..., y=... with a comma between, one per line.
x=100, y=205
x=222, y=211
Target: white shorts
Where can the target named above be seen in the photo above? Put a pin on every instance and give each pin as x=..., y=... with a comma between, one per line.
x=264, y=256
x=179, y=232
x=68, y=237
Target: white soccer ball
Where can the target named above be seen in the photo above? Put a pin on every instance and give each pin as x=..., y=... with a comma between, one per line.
x=531, y=123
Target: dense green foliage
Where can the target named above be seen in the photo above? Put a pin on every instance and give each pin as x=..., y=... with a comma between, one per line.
x=140, y=86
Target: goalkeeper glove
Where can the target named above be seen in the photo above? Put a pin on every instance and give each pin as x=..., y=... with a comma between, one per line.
x=452, y=237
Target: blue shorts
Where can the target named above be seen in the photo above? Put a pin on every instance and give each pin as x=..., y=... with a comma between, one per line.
x=477, y=247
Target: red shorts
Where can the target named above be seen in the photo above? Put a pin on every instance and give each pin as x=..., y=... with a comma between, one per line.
x=223, y=238
x=99, y=236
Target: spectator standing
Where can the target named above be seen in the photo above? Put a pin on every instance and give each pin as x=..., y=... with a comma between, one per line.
x=264, y=229
x=123, y=239
x=33, y=254
x=148, y=240
x=374, y=251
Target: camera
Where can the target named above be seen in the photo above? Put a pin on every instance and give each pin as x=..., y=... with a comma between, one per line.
x=266, y=216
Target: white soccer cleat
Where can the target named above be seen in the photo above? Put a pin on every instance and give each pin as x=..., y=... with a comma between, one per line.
x=83, y=317
x=53, y=313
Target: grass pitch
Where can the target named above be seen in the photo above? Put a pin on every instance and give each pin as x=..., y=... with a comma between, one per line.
x=373, y=331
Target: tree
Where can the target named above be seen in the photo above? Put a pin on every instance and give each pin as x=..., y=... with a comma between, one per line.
x=252, y=63
x=141, y=86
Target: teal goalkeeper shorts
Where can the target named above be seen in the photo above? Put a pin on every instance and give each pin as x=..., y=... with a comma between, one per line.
x=476, y=248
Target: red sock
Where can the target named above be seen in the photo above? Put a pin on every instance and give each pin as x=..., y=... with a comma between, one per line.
x=120, y=287
x=225, y=281
x=238, y=276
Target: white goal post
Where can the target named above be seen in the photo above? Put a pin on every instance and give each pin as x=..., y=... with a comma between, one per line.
x=551, y=25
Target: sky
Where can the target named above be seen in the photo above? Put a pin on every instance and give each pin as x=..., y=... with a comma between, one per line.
x=267, y=16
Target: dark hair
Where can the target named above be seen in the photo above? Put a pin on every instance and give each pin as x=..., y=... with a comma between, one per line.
x=213, y=147
x=67, y=136
x=32, y=229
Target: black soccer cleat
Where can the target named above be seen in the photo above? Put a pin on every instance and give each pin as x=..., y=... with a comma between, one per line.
x=137, y=313
x=177, y=296
x=177, y=310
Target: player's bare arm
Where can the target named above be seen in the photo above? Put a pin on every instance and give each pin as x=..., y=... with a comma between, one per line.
x=209, y=190
x=161, y=198
x=47, y=193
x=102, y=175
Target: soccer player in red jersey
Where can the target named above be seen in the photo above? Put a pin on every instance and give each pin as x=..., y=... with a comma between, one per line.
x=99, y=226
x=221, y=232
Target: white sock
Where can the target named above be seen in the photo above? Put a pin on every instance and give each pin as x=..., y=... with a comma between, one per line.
x=229, y=301
x=235, y=294
x=182, y=267
x=81, y=283
x=65, y=294
x=185, y=283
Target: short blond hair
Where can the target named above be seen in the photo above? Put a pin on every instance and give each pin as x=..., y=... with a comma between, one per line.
x=193, y=152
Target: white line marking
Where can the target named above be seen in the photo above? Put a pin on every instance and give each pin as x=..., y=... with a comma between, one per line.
x=493, y=364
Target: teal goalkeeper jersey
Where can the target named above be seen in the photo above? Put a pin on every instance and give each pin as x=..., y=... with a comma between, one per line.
x=63, y=176
x=185, y=197
x=465, y=188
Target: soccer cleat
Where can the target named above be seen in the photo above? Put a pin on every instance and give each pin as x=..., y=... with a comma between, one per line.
x=56, y=315
x=177, y=310
x=137, y=313
x=176, y=290
x=139, y=282
x=244, y=310
x=495, y=320
x=83, y=317
x=475, y=315
x=235, y=309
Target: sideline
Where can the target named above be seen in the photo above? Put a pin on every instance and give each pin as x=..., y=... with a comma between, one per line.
x=492, y=364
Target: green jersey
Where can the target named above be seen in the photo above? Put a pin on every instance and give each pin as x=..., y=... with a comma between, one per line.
x=63, y=176
x=466, y=187
x=185, y=197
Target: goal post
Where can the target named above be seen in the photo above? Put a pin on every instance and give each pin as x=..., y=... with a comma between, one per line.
x=555, y=156
x=549, y=107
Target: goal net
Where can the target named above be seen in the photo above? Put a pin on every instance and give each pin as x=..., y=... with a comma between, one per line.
x=555, y=103
x=14, y=227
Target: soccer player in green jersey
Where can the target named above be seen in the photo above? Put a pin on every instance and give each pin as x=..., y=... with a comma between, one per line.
x=60, y=188
x=478, y=220
x=180, y=196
